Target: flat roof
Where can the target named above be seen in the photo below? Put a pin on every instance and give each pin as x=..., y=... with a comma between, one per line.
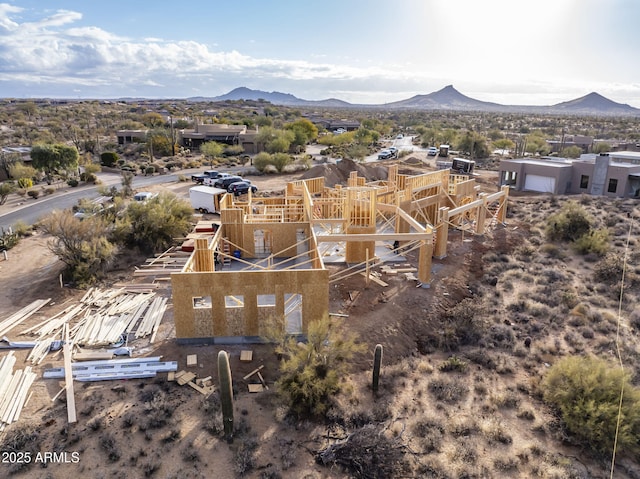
x=554, y=163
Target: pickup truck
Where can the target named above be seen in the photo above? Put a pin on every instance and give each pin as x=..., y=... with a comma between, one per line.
x=199, y=177
x=212, y=181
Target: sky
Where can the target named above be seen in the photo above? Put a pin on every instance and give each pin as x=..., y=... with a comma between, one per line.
x=516, y=52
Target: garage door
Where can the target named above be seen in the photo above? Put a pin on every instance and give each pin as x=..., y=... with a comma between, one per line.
x=544, y=184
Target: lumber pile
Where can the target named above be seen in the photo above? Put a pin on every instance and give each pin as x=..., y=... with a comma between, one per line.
x=16, y=318
x=14, y=388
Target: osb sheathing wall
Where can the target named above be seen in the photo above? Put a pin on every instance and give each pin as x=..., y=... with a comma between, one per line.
x=283, y=237
x=207, y=323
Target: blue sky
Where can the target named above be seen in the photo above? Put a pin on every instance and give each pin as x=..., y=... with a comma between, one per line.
x=363, y=51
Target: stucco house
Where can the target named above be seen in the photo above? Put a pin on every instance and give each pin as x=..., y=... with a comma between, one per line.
x=614, y=174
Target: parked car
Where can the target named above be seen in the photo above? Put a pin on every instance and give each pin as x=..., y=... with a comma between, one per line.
x=385, y=154
x=144, y=196
x=432, y=151
x=393, y=150
x=225, y=182
x=400, y=136
x=241, y=188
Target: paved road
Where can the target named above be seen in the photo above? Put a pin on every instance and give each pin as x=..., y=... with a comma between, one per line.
x=31, y=210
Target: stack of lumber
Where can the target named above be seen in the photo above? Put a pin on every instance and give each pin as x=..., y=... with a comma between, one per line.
x=18, y=317
x=13, y=390
x=106, y=324
x=151, y=321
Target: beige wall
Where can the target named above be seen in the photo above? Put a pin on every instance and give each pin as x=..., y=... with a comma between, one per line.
x=206, y=323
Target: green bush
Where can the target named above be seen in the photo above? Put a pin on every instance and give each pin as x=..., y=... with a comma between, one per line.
x=569, y=224
x=586, y=391
x=261, y=161
x=25, y=183
x=109, y=158
x=595, y=241
x=72, y=182
x=313, y=371
x=149, y=170
x=33, y=194
x=5, y=190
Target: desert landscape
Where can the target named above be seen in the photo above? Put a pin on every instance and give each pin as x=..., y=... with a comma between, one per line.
x=459, y=395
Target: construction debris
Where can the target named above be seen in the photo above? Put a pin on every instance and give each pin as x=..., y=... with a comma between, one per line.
x=13, y=389
x=192, y=359
x=20, y=316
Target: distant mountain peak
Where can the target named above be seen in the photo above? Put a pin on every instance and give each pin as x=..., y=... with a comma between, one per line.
x=447, y=98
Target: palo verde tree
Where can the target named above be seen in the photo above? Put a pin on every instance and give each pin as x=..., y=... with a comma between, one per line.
x=311, y=373
x=212, y=150
x=53, y=158
x=82, y=245
x=304, y=131
x=152, y=225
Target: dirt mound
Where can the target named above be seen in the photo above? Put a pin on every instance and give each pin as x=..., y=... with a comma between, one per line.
x=339, y=173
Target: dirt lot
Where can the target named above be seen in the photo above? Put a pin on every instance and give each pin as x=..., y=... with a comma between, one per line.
x=491, y=424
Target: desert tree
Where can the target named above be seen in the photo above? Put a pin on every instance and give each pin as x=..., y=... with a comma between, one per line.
x=304, y=131
x=82, y=245
x=212, y=150
x=571, y=152
x=54, y=157
x=154, y=224
x=311, y=372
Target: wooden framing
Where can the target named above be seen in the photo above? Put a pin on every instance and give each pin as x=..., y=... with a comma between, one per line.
x=276, y=241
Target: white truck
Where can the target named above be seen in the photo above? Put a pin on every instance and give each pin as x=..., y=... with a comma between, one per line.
x=206, y=199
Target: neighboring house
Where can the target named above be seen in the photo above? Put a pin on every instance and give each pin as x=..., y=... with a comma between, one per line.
x=131, y=136
x=585, y=143
x=23, y=151
x=333, y=125
x=226, y=134
x=615, y=174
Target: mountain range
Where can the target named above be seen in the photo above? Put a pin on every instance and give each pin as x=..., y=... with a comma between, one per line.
x=447, y=98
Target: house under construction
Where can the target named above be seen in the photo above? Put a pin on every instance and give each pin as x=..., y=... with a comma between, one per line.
x=268, y=256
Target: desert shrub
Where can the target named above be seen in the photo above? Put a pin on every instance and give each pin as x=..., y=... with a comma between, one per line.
x=461, y=324
x=569, y=224
x=609, y=269
x=81, y=245
x=109, y=158
x=33, y=194
x=594, y=242
x=25, y=183
x=448, y=390
x=586, y=391
x=244, y=458
x=313, y=371
x=634, y=319
x=261, y=161
x=109, y=445
x=152, y=225
x=22, y=439
x=6, y=189
x=453, y=363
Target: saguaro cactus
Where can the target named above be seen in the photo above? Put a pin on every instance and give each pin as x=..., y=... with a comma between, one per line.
x=377, y=360
x=226, y=393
